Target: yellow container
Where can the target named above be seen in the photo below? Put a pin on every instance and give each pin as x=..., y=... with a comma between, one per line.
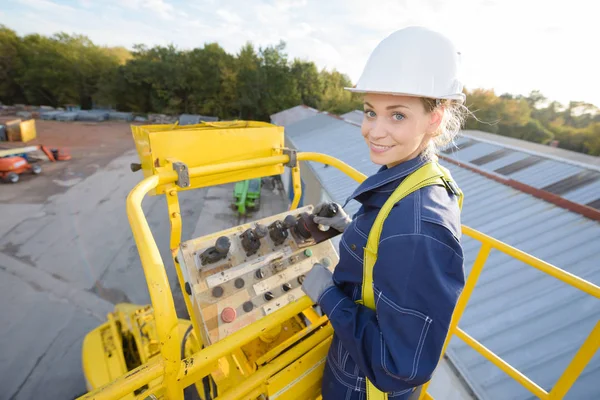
x=28, y=131
x=21, y=131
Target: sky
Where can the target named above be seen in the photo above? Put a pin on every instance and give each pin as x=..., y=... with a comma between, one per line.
x=512, y=46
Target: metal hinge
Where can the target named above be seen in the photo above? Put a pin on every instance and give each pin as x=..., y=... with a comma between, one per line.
x=293, y=163
x=183, y=176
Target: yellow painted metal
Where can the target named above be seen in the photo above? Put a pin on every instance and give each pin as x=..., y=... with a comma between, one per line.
x=209, y=144
x=320, y=338
x=503, y=365
x=578, y=364
x=297, y=183
x=334, y=162
x=127, y=383
x=311, y=315
x=176, y=374
x=200, y=364
x=285, y=332
x=98, y=361
x=175, y=239
x=292, y=340
x=158, y=286
x=528, y=259
x=302, y=379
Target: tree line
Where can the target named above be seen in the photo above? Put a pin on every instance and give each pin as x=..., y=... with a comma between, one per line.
x=252, y=84
x=255, y=83
x=535, y=118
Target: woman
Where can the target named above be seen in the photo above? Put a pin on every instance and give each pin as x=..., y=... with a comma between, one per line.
x=412, y=106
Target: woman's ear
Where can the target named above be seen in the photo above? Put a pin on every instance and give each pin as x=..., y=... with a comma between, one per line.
x=435, y=120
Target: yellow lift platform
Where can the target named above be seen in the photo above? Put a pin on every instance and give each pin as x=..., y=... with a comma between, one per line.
x=252, y=334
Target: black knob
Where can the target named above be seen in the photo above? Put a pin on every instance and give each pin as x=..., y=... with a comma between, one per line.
x=247, y=306
x=217, y=291
x=239, y=283
x=328, y=211
x=289, y=221
x=188, y=288
x=135, y=167
x=286, y=287
x=223, y=244
x=259, y=273
x=269, y=296
x=301, y=279
x=261, y=231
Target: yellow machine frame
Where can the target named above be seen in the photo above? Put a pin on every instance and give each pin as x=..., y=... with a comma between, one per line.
x=162, y=174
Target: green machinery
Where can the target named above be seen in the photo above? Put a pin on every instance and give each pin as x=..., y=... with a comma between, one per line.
x=246, y=195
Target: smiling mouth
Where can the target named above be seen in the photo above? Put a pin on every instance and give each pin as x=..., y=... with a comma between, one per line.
x=377, y=148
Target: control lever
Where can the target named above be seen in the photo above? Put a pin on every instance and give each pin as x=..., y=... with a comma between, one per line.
x=318, y=234
x=278, y=232
x=216, y=252
x=297, y=226
x=328, y=211
x=251, y=238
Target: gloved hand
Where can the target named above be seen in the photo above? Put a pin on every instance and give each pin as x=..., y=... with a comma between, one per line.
x=338, y=222
x=317, y=281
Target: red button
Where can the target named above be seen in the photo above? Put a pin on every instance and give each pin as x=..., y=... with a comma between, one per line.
x=228, y=314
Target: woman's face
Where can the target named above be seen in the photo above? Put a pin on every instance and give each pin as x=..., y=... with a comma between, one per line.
x=396, y=128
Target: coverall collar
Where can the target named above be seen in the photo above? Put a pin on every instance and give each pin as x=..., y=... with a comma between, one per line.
x=387, y=175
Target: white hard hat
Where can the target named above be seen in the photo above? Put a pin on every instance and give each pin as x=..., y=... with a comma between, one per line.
x=413, y=61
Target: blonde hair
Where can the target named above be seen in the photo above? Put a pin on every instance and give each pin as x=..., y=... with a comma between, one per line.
x=453, y=119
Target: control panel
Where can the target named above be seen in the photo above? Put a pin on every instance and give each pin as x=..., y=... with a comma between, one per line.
x=238, y=276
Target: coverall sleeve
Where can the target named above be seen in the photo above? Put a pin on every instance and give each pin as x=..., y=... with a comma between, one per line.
x=417, y=281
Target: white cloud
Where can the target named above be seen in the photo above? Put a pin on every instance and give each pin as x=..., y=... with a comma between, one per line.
x=161, y=8
x=510, y=45
x=229, y=16
x=45, y=5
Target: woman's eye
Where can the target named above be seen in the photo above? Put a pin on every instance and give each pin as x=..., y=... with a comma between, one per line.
x=370, y=113
x=397, y=117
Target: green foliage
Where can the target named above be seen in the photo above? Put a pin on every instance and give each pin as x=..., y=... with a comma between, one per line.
x=254, y=84
x=536, y=119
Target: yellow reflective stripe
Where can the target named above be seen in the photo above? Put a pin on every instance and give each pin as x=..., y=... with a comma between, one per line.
x=429, y=174
x=373, y=393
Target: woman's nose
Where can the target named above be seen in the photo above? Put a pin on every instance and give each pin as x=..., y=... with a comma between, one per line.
x=377, y=130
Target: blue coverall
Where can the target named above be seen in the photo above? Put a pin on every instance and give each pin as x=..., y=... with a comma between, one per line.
x=417, y=280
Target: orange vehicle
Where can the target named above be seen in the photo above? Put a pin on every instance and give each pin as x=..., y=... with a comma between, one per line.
x=12, y=167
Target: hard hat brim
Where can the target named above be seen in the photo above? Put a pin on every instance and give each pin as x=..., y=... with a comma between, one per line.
x=459, y=96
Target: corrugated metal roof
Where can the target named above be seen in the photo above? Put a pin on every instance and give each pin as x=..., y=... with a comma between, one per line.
x=355, y=116
x=292, y=115
x=585, y=194
x=473, y=152
x=540, y=149
x=504, y=161
x=536, y=166
x=530, y=319
x=545, y=173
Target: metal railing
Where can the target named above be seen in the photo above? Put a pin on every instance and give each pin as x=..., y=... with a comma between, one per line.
x=177, y=374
